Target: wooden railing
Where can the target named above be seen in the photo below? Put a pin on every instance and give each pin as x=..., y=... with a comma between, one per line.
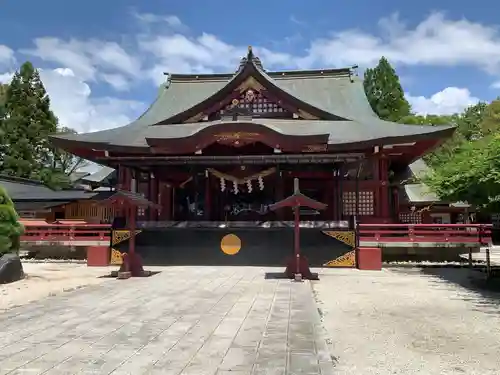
x=425, y=233
x=65, y=232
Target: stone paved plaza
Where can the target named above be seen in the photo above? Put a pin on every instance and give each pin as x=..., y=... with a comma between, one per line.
x=205, y=320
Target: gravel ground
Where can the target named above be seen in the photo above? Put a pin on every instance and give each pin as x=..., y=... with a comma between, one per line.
x=49, y=278
x=408, y=321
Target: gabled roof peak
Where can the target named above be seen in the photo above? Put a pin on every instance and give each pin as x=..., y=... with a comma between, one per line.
x=250, y=58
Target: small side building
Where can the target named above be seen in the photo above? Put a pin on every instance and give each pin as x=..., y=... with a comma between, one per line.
x=418, y=204
x=34, y=200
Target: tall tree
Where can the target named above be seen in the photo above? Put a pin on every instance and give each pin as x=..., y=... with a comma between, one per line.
x=65, y=161
x=384, y=92
x=28, y=121
x=489, y=117
x=3, y=98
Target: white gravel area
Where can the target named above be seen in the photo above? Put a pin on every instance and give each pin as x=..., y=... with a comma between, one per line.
x=49, y=278
x=408, y=321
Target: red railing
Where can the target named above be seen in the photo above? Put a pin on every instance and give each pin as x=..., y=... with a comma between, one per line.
x=65, y=232
x=426, y=233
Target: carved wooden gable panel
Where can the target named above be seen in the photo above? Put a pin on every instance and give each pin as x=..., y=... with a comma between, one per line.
x=256, y=103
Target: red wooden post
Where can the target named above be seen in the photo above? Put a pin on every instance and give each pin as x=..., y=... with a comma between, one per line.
x=384, y=187
x=132, y=227
x=297, y=239
x=296, y=201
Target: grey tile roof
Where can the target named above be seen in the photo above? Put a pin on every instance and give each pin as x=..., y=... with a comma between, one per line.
x=420, y=193
x=338, y=94
x=28, y=190
x=339, y=132
x=37, y=205
x=99, y=176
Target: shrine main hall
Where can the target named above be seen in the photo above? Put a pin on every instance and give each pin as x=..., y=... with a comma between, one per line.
x=214, y=151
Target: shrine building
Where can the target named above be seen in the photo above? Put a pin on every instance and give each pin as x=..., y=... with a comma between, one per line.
x=214, y=151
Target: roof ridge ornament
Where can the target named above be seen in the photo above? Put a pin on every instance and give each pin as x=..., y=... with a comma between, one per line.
x=250, y=54
x=250, y=58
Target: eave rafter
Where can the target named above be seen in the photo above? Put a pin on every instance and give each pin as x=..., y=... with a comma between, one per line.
x=250, y=76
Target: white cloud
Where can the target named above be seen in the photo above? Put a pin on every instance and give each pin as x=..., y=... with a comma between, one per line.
x=6, y=77
x=436, y=41
x=87, y=57
x=165, y=44
x=171, y=20
x=6, y=55
x=446, y=102
x=74, y=105
x=79, y=109
x=118, y=81
x=495, y=85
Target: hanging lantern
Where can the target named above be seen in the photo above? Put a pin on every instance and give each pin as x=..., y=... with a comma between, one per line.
x=249, y=185
x=261, y=183
x=235, y=187
x=222, y=184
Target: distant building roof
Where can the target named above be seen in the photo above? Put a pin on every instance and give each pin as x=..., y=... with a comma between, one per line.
x=102, y=176
x=25, y=190
x=416, y=191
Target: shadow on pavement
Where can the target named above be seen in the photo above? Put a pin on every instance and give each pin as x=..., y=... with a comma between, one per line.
x=487, y=297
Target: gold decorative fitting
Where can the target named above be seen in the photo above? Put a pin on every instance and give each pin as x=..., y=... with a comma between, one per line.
x=235, y=102
x=116, y=258
x=315, y=148
x=237, y=135
x=346, y=237
x=230, y=244
x=346, y=260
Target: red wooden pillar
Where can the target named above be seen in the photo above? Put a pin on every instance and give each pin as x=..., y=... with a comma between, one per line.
x=124, y=178
x=377, y=192
x=166, y=202
x=153, y=196
x=333, y=188
x=395, y=199
x=279, y=193
x=132, y=227
x=384, y=186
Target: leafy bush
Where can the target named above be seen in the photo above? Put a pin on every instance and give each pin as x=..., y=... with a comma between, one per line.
x=10, y=228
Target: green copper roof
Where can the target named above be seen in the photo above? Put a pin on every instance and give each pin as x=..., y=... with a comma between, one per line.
x=339, y=132
x=336, y=92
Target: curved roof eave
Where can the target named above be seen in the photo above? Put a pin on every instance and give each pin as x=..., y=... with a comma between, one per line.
x=340, y=132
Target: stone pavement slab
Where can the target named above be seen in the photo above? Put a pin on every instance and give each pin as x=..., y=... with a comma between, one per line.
x=184, y=320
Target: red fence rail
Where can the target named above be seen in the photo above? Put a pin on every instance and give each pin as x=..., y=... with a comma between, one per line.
x=65, y=232
x=426, y=233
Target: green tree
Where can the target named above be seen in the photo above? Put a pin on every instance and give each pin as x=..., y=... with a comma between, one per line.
x=62, y=165
x=27, y=123
x=489, y=120
x=384, y=92
x=10, y=228
x=3, y=94
x=469, y=127
x=472, y=174
x=3, y=97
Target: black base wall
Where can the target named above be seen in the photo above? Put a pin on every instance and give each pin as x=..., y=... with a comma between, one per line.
x=259, y=246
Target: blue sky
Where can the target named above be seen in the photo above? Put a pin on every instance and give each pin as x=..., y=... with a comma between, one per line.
x=102, y=60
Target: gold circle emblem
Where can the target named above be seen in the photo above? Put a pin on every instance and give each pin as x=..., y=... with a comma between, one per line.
x=230, y=244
